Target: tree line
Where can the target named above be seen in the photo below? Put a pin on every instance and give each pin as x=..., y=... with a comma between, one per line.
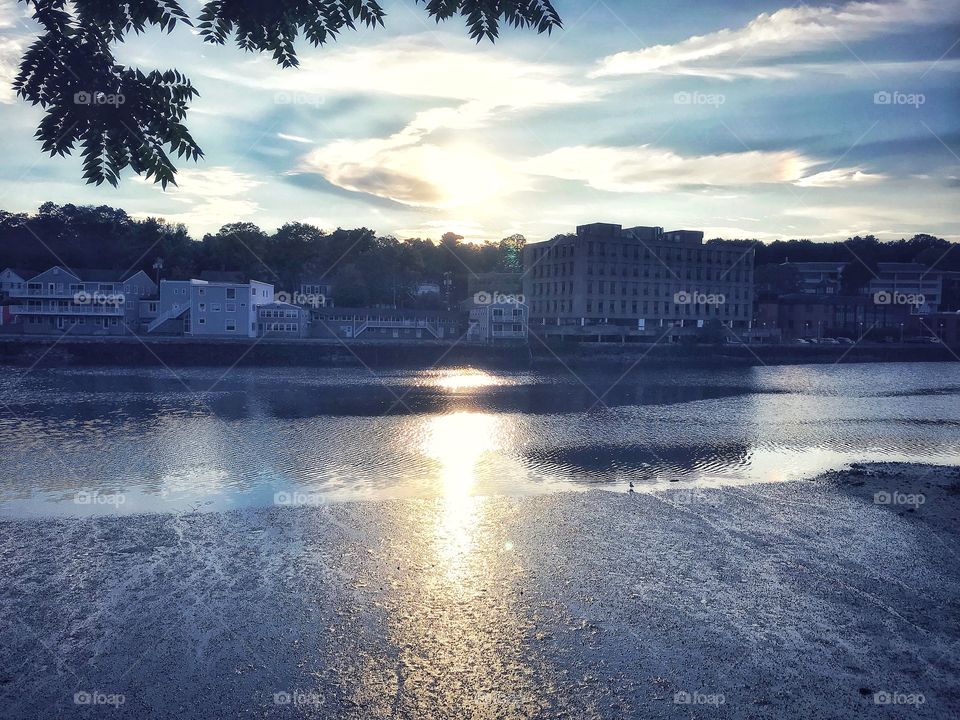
x=367, y=268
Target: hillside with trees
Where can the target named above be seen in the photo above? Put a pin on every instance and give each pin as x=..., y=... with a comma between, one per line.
x=367, y=268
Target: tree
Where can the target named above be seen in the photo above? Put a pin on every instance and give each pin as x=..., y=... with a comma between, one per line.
x=511, y=253
x=122, y=117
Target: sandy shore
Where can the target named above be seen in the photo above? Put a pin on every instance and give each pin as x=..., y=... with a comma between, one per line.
x=832, y=598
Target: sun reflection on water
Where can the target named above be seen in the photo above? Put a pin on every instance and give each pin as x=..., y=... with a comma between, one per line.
x=465, y=379
x=457, y=442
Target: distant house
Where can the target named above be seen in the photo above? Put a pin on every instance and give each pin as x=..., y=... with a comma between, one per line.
x=13, y=279
x=312, y=293
x=384, y=324
x=426, y=288
x=496, y=322
x=282, y=319
x=86, y=302
x=198, y=308
x=818, y=278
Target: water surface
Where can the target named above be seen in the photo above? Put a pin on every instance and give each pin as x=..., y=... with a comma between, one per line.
x=126, y=440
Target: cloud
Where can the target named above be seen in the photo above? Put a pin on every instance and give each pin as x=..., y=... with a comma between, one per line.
x=416, y=66
x=648, y=169
x=295, y=138
x=784, y=33
x=214, y=196
x=840, y=177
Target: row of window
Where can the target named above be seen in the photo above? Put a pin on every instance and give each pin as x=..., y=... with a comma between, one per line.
x=637, y=250
x=604, y=287
x=92, y=287
x=66, y=322
x=736, y=273
x=634, y=307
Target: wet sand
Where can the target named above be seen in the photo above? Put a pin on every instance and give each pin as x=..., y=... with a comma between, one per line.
x=837, y=597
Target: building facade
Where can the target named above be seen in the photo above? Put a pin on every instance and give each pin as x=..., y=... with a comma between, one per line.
x=281, y=319
x=384, y=324
x=912, y=284
x=197, y=308
x=812, y=317
x=81, y=302
x=638, y=282
x=818, y=278
x=497, y=322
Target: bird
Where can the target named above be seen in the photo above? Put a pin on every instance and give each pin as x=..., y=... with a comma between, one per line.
x=631, y=486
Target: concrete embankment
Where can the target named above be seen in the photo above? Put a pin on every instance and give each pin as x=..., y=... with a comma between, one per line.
x=131, y=351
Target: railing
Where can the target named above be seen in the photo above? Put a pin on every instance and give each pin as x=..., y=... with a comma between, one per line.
x=173, y=312
x=116, y=310
x=41, y=292
x=410, y=324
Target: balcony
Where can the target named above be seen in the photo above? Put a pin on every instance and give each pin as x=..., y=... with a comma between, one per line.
x=78, y=310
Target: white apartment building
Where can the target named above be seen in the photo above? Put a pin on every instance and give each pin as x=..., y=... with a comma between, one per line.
x=197, y=308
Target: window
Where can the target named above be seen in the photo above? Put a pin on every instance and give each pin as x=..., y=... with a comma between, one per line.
x=231, y=325
x=231, y=307
x=203, y=307
x=215, y=307
x=203, y=321
x=231, y=293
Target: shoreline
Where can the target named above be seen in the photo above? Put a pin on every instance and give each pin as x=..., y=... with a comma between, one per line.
x=42, y=351
x=803, y=599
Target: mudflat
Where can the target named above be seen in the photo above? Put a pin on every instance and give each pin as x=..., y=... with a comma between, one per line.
x=836, y=597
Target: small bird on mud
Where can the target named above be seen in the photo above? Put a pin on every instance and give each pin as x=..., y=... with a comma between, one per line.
x=631, y=486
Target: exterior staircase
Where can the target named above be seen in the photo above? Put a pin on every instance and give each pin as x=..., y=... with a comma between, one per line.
x=174, y=312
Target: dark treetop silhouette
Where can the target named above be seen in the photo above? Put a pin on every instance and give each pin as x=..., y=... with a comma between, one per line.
x=122, y=117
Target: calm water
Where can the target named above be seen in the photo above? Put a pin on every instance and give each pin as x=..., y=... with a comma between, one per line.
x=77, y=442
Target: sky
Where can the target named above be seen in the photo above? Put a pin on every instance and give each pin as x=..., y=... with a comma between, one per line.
x=748, y=119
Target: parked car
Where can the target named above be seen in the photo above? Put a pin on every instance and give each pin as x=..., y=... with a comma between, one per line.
x=828, y=341
x=923, y=340
x=802, y=341
x=844, y=341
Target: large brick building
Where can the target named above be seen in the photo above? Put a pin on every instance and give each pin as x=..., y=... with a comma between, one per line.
x=607, y=281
